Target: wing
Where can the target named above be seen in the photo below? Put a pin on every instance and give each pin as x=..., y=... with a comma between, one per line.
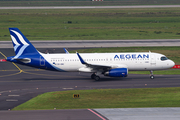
x=98, y=67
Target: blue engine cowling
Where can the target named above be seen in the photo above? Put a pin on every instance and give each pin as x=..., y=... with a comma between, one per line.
x=117, y=72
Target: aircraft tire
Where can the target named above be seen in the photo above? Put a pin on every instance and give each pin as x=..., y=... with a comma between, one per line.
x=93, y=76
x=96, y=78
x=152, y=76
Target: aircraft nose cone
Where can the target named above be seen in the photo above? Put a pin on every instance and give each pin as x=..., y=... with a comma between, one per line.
x=172, y=63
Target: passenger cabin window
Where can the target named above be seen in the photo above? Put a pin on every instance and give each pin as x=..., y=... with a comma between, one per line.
x=164, y=58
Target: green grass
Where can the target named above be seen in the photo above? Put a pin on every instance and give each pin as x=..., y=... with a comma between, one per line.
x=161, y=72
x=105, y=98
x=93, y=24
x=172, y=53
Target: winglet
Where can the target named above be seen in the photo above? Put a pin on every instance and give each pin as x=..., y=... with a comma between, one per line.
x=81, y=59
x=66, y=51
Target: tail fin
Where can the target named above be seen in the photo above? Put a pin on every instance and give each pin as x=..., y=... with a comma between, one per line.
x=21, y=44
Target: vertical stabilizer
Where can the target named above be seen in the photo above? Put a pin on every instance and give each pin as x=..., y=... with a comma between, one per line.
x=21, y=44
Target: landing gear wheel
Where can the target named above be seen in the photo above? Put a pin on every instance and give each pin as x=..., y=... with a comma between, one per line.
x=152, y=76
x=93, y=76
x=96, y=78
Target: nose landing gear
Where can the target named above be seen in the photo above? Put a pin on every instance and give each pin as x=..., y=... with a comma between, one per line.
x=151, y=74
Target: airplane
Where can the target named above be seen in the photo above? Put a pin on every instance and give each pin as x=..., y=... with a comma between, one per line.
x=108, y=64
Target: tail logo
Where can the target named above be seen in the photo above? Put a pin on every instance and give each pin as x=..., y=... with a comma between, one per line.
x=21, y=46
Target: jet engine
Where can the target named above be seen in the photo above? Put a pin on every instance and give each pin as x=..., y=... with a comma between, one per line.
x=117, y=72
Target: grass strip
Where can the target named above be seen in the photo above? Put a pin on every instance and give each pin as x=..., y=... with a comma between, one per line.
x=105, y=98
x=159, y=72
x=92, y=24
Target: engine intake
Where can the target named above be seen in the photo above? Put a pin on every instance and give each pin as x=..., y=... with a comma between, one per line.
x=117, y=72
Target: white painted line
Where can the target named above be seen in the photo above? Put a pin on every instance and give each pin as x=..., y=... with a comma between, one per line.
x=68, y=88
x=11, y=100
x=4, y=91
x=13, y=95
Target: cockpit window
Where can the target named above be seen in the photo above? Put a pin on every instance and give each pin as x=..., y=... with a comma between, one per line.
x=164, y=58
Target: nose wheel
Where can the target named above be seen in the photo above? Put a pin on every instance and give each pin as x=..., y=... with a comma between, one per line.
x=95, y=77
x=151, y=74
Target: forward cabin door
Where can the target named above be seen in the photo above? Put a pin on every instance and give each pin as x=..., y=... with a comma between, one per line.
x=153, y=59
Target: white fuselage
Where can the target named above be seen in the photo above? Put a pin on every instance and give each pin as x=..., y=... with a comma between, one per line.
x=132, y=61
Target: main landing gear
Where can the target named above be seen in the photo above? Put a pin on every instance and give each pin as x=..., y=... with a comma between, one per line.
x=95, y=77
x=151, y=74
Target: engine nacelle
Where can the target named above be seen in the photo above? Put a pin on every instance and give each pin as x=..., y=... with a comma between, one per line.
x=117, y=72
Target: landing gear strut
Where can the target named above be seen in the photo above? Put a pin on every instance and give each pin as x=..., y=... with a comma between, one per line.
x=95, y=77
x=151, y=76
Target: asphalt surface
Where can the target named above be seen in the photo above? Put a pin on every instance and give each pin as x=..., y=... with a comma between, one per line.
x=16, y=87
x=80, y=114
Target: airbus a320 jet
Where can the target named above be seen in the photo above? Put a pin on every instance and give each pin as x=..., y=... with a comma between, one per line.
x=108, y=64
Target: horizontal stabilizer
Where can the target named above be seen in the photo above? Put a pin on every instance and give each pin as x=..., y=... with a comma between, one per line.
x=24, y=60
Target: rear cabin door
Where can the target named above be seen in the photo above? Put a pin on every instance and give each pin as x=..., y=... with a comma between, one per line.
x=42, y=61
